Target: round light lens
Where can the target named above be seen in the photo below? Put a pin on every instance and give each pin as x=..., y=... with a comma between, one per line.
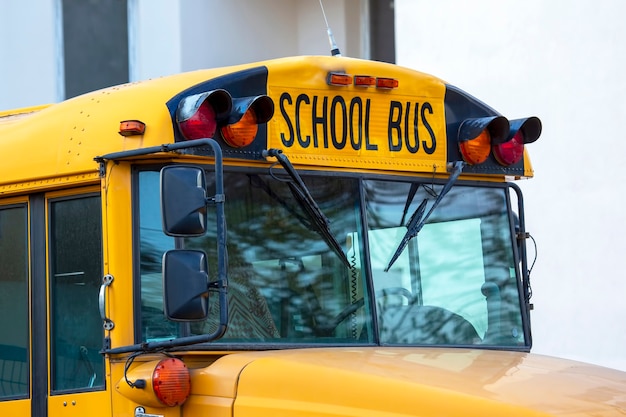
x=476, y=151
x=201, y=124
x=171, y=382
x=243, y=132
x=511, y=151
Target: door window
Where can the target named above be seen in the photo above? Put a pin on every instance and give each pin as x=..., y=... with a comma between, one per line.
x=14, y=363
x=75, y=277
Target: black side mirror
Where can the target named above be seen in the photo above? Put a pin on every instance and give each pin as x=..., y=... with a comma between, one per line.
x=183, y=200
x=185, y=285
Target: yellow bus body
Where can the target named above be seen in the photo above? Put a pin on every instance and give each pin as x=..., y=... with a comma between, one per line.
x=56, y=151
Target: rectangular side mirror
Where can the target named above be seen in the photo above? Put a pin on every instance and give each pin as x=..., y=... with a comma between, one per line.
x=185, y=285
x=183, y=201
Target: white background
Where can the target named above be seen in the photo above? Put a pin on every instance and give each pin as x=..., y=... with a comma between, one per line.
x=563, y=61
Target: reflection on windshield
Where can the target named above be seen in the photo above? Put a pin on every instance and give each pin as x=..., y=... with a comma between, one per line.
x=455, y=283
x=285, y=283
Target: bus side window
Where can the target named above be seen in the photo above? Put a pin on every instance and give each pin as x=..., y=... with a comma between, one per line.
x=75, y=276
x=13, y=302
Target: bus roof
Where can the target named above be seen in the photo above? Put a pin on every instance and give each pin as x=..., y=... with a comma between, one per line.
x=63, y=139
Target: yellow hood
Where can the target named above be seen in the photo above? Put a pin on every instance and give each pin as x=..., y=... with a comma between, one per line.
x=415, y=382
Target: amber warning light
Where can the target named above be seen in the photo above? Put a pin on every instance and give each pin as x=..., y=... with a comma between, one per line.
x=171, y=382
x=163, y=383
x=236, y=119
x=478, y=138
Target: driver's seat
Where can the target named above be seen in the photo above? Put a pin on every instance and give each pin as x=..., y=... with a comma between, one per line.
x=425, y=325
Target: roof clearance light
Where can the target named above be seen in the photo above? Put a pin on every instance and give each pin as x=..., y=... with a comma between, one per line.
x=171, y=382
x=476, y=151
x=387, y=83
x=364, y=81
x=511, y=151
x=340, y=79
x=197, y=115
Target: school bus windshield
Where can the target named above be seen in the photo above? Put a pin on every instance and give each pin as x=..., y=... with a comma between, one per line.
x=456, y=283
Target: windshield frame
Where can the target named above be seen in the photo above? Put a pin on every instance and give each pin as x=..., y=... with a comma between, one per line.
x=515, y=245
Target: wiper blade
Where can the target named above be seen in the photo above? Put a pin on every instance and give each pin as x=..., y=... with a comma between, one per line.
x=416, y=222
x=408, y=201
x=305, y=200
x=257, y=181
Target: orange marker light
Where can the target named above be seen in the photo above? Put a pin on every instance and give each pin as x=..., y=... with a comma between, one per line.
x=476, y=151
x=336, y=78
x=364, y=81
x=243, y=132
x=132, y=127
x=388, y=83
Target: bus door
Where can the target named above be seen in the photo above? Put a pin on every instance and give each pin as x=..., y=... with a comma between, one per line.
x=14, y=309
x=51, y=257
x=75, y=269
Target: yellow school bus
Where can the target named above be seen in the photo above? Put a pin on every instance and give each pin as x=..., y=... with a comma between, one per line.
x=306, y=236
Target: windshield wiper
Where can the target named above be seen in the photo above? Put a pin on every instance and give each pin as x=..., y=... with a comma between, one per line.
x=305, y=200
x=416, y=222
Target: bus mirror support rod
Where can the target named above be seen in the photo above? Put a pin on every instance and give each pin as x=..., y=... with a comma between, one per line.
x=222, y=280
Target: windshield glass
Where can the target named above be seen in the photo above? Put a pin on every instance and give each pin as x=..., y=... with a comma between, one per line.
x=455, y=283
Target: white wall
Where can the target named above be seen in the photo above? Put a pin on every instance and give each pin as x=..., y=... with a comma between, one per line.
x=217, y=33
x=28, y=53
x=171, y=36
x=154, y=37
x=562, y=61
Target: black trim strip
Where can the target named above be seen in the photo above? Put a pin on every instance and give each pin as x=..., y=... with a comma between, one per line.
x=39, y=369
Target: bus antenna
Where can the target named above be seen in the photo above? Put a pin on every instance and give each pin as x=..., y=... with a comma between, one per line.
x=334, y=49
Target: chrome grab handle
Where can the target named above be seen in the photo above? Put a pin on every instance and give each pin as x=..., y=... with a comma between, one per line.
x=107, y=322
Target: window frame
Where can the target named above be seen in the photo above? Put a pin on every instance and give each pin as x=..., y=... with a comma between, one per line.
x=50, y=199
x=366, y=263
x=12, y=203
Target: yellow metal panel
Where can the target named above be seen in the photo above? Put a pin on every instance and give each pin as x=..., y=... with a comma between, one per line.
x=17, y=408
x=429, y=382
x=10, y=116
x=117, y=241
x=208, y=406
x=359, y=127
x=93, y=404
x=48, y=183
x=528, y=168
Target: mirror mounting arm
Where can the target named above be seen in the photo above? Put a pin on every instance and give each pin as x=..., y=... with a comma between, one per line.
x=222, y=280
